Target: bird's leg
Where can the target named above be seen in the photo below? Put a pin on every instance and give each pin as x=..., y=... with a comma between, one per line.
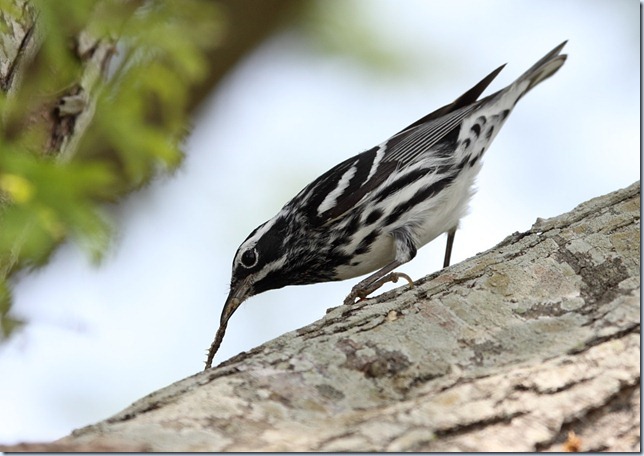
x=448, y=248
x=367, y=286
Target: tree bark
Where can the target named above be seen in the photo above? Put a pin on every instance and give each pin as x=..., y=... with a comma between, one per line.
x=532, y=345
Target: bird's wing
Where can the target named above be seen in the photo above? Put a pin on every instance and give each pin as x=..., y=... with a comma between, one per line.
x=464, y=100
x=343, y=186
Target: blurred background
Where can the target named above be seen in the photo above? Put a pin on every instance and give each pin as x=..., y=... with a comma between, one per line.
x=330, y=79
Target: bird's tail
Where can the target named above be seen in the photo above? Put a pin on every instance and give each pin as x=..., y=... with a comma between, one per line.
x=541, y=70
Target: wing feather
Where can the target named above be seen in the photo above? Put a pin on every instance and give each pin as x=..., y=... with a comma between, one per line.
x=343, y=186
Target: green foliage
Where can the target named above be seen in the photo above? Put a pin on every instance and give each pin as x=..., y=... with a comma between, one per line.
x=51, y=191
x=343, y=28
x=51, y=200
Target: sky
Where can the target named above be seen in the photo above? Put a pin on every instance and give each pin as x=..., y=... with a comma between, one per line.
x=99, y=338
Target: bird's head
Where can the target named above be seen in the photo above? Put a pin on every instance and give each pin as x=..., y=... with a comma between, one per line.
x=274, y=255
x=262, y=262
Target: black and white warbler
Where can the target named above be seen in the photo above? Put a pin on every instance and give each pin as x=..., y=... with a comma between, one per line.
x=373, y=211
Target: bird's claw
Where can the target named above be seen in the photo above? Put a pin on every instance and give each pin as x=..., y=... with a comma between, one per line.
x=361, y=291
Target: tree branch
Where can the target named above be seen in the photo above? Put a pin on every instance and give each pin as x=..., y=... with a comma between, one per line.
x=507, y=351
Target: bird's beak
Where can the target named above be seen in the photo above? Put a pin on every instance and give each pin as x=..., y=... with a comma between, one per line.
x=235, y=298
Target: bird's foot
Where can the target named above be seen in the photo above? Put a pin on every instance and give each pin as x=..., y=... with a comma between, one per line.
x=364, y=289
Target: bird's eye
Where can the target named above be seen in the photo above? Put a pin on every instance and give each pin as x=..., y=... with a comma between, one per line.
x=249, y=258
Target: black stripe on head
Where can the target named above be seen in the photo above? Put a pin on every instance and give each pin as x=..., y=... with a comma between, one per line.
x=301, y=269
x=268, y=248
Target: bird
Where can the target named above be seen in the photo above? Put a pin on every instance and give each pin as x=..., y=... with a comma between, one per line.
x=373, y=211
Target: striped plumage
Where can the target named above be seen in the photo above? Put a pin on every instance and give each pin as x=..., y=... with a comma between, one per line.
x=373, y=211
